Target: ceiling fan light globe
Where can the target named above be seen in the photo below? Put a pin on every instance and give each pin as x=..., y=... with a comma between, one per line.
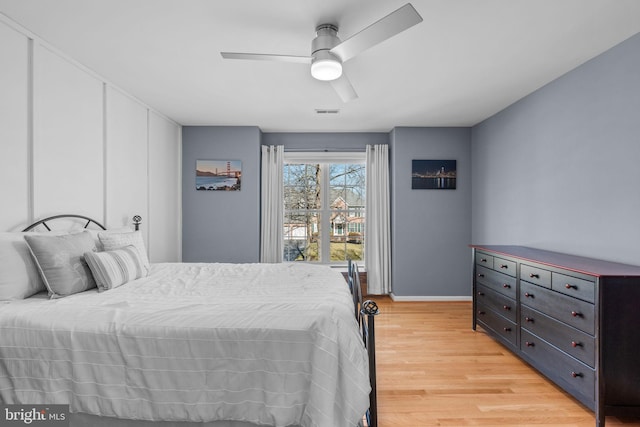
x=326, y=69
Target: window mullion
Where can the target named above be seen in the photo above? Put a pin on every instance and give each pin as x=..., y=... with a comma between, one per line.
x=326, y=213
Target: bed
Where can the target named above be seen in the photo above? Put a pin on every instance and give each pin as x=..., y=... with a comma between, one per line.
x=220, y=345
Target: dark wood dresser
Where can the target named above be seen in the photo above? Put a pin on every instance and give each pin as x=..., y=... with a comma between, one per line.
x=575, y=319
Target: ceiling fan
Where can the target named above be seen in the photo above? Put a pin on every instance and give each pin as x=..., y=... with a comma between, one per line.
x=328, y=52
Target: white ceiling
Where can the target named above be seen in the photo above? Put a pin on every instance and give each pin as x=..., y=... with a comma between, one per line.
x=466, y=61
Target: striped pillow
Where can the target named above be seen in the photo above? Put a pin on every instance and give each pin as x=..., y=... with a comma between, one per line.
x=111, y=269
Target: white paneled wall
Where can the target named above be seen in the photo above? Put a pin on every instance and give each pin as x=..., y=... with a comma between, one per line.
x=164, y=189
x=14, y=146
x=71, y=142
x=67, y=138
x=126, y=160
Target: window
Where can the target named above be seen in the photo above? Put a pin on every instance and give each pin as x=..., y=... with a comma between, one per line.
x=324, y=214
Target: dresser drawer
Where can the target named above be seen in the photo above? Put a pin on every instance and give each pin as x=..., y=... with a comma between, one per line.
x=577, y=313
x=497, y=302
x=504, y=266
x=484, y=260
x=535, y=275
x=579, y=288
x=570, y=340
x=504, y=328
x=574, y=376
x=499, y=282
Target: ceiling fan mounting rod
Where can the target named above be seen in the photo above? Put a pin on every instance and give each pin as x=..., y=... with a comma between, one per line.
x=326, y=38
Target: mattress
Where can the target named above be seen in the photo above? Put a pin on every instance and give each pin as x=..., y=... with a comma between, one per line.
x=268, y=344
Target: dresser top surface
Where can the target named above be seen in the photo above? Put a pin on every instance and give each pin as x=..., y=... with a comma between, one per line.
x=589, y=266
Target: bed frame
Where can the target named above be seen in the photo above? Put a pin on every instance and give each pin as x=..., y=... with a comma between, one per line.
x=365, y=311
x=44, y=221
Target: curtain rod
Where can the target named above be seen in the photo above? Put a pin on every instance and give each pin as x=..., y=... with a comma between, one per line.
x=321, y=150
x=325, y=150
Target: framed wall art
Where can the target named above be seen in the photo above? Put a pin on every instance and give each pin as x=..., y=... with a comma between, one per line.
x=218, y=175
x=433, y=174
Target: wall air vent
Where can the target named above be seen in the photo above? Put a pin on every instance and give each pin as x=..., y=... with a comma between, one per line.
x=319, y=111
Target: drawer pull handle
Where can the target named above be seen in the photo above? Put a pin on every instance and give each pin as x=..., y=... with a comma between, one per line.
x=504, y=266
x=529, y=344
x=483, y=260
x=534, y=276
x=481, y=313
x=506, y=307
x=506, y=286
x=528, y=295
x=480, y=275
x=568, y=286
x=481, y=293
x=576, y=314
x=528, y=319
x=507, y=329
x=575, y=344
x=576, y=374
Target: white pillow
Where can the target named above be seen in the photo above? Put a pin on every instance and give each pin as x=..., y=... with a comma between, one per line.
x=114, y=268
x=19, y=277
x=111, y=241
x=95, y=232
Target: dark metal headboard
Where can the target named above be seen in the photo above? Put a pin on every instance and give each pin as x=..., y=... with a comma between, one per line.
x=51, y=218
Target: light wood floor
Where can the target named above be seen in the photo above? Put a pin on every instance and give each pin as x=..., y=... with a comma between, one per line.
x=434, y=370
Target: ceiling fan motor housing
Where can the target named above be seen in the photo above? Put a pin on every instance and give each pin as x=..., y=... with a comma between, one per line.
x=324, y=64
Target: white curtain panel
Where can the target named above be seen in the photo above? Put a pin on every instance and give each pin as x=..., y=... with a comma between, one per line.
x=377, y=242
x=272, y=204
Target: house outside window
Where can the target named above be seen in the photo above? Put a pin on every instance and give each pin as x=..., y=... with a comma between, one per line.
x=324, y=212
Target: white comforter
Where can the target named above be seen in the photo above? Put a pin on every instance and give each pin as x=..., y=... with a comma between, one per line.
x=273, y=344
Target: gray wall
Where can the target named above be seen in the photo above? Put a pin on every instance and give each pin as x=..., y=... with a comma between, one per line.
x=221, y=226
x=431, y=229
x=560, y=169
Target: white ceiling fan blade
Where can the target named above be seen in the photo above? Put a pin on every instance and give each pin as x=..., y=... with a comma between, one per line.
x=387, y=27
x=266, y=57
x=344, y=89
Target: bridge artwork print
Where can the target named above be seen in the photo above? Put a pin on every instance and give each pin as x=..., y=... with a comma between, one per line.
x=218, y=175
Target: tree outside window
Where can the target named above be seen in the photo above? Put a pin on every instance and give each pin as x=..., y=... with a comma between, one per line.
x=324, y=212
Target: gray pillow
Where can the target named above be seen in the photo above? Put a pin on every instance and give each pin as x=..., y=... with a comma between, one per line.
x=60, y=260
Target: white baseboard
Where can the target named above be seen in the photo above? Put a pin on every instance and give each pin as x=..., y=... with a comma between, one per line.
x=419, y=298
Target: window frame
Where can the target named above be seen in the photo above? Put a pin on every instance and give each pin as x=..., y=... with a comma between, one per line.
x=326, y=159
